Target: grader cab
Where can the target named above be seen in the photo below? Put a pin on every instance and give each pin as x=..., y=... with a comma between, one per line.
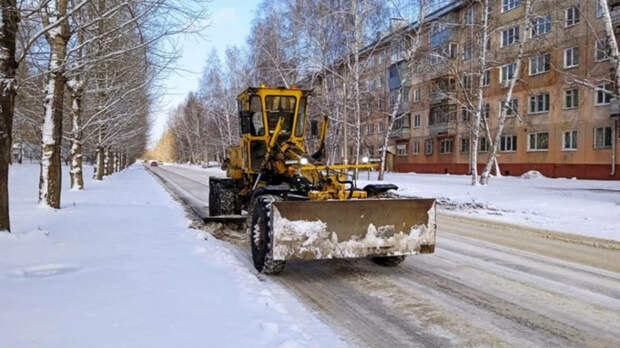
x=300, y=208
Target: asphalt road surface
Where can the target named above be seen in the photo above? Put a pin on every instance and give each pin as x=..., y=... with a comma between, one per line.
x=487, y=284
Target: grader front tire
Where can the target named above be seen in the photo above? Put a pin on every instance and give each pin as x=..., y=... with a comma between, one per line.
x=261, y=237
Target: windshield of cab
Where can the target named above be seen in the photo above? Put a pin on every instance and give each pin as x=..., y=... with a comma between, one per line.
x=280, y=106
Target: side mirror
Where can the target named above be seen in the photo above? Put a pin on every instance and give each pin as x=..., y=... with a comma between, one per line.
x=245, y=118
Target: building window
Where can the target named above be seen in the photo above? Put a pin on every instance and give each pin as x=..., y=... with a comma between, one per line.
x=446, y=146
x=571, y=57
x=571, y=98
x=508, y=5
x=467, y=82
x=466, y=114
x=507, y=73
x=540, y=64
x=416, y=121
x=483, y=144
x=467, y=51
x=428, y=146
x=401, y=149
x=513, y=107
x=599, y=9
x=454, y=50
x=405, y=96
x=569, y=141
x=416, y=147
x=538, y=141
x=508, y=143
x=601, y=50
x=381, y=127
x=603, y=95
x=486, y=78
x=469, y=16
x=486, y=111
x=541, y=25
x=571, y=16
x=602, y=137
x=416, y=95
x=371, y=128
x=464, y=145
x=539, y=103
x=510, y=36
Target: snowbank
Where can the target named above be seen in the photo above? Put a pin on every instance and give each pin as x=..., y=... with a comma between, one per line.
x=117, y=266
x=532, y=174
x=586, y=207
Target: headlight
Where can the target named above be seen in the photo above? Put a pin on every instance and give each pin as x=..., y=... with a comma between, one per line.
x=303, y=161
x=365, y=159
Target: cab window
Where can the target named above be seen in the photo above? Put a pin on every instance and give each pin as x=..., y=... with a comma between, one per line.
x=280, y=106
x=301, y=118
x=258, y=124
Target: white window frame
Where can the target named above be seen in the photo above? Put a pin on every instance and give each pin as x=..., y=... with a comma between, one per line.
x=576, y=17
x=607, y=87
x=428, y=150
x=597, y=50
x=462, y=148
x=538, y=95
x=544, y=22
x=486, y=78
x=443, y=148
x=509, y=5
x=574, y=140
x=509, y=111
x=574, y=98
x=402, y=149
x=510, y=66
x=540, y=61
x=468, y=19
x=529, y=142
x=485, y=141
x=573, y=52
x=416, y=95
x=467, y=51
x=508, y=138
x=604, y=146
x=417, y=121
x=416, y=147
x=371, y=129
x=505, y=34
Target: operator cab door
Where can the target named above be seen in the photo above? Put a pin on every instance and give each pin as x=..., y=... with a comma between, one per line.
x=253, y=125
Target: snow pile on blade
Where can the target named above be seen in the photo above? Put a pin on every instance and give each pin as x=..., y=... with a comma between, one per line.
x=302, y=239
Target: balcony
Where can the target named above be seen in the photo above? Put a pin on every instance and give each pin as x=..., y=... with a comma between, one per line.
x=442, y=119
x=443, y=128
x=401, y=133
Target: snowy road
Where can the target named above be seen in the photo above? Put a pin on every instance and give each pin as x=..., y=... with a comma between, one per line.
x=487, y=284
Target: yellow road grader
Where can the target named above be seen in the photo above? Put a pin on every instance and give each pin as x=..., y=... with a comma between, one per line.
x=300, y=208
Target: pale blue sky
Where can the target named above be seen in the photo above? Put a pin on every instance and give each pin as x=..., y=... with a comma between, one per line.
x=230, y=23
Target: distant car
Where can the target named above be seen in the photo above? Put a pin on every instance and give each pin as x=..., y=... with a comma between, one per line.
x=212, y=164
x=154, y=164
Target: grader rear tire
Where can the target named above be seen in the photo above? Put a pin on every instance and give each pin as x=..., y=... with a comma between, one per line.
x=388, y=261
x=260, y=237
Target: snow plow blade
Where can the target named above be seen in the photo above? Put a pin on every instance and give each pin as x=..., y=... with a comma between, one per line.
x=312, y=230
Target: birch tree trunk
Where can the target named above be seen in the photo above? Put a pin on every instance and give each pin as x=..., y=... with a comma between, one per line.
x=100, y=160
x=8, y=66
x=484, y=178
x=475, y=129
x=50, y=181
x=386, y=138
x=77, y=178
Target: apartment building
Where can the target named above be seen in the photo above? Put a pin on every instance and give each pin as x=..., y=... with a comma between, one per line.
x=559, y=121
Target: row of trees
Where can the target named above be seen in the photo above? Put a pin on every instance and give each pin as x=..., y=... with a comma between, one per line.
x=80, y=78
x=325, y=45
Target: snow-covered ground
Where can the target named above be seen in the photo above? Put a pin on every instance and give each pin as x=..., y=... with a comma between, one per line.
x=586, y=207
x=118, y=266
